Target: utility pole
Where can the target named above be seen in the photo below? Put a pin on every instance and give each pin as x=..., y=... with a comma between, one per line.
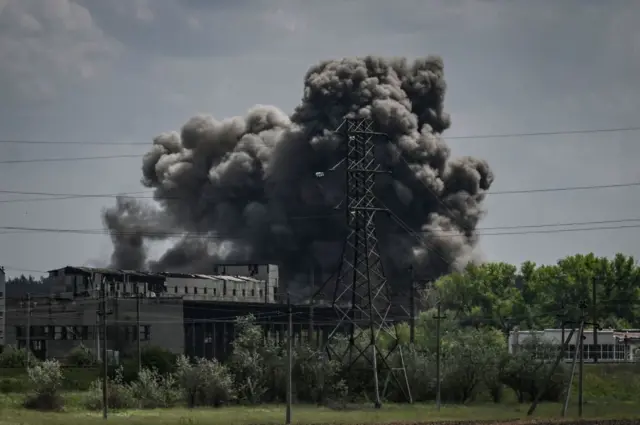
x=583, y=307
x=138, y=348
x=28, y=329
x=103, y=312
x=412, y=307
x=559, y=357
x=573, y=372
x=289, y=360
x=438, y=317
x=594, y=314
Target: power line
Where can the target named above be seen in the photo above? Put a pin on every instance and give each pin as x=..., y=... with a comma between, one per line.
x=214, y=236
x=57, y=196
x=477, y=136
x=82, y=158
x=559, y=189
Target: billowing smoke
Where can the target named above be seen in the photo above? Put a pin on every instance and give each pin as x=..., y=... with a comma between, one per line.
x=260, y=188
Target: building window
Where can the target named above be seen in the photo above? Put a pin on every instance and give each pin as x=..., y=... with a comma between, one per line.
x=204, y=289
x=233, y=293
x=145, y=333
x=1, y=294
x=58, y=333
x=186, y=289
x=19, y=331
x=253, y=292
x=195, y=290
x=175, y=289
x=260, y=293
x=244, y=293
x=1, y=313
x=215, y=291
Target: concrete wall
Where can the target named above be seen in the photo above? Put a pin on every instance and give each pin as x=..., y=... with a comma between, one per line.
x=220, y=288
x=59, y=326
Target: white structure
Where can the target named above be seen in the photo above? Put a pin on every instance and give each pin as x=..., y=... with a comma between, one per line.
x=613, y=346
x=3, y=305
x=235, y=283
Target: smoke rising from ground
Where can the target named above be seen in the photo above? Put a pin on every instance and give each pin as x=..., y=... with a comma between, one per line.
x=245, y=189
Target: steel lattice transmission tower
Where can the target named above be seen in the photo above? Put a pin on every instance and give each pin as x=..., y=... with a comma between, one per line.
x=361, y=296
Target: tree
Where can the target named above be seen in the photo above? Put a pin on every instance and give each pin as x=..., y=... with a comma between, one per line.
x=484, y=295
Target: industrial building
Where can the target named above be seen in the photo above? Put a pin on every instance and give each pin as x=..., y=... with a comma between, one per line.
x=613, y=346
x=191, y=314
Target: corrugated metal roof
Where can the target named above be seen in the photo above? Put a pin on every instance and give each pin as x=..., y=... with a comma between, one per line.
x=153, y=275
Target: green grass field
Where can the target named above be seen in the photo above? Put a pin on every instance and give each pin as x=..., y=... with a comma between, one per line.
x=311, y=415
x=610, y=391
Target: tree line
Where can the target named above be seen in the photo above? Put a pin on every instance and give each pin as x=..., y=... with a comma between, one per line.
x=502, y=296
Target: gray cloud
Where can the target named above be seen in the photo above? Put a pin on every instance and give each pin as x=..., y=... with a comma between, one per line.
x=58, y=36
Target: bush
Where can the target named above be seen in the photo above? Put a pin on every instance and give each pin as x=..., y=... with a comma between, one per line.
x=257, y=364
x=81, y=356
x=119, y=394
x=526, y=371
x=46, y=380
x=315, y=378
x=13, y=385
x=205, y=383
x=12, y=357
x=159, y=359
x=153, y=390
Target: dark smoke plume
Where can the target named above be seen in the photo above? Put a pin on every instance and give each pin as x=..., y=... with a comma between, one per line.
x=245, y=189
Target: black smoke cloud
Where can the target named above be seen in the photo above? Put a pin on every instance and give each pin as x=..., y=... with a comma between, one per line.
x=245, y=189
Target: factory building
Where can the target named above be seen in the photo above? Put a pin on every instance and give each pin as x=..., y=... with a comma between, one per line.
x=192, y=314
x=613, y=346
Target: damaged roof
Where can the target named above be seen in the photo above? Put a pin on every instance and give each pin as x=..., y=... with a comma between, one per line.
x=148, y=275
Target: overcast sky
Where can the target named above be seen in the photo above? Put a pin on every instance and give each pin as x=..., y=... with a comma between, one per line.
x=127, y=70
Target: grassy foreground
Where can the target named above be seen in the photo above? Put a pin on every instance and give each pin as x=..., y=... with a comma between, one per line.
x=266, y=415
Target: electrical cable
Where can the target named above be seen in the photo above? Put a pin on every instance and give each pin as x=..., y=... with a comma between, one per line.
x=462, y=137
x=594, y=225
x=57, y=196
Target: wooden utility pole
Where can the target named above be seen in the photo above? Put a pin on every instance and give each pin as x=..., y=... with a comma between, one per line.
x=581, y=347
x=438, y=317
x=289, y=360
x=594, y=318
x=138, y=347
x=28, y=329
x=573, y=371
x=103, y=312
x=412, y=309
x=559, y=357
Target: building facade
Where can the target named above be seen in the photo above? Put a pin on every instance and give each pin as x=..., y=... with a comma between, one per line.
x=52, y=328
x=140, y=306
x=613, y=346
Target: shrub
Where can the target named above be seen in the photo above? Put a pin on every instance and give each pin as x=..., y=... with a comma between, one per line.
x=13, y=385
x=46, y=380
x=12, y=357
x=205, y=383
x=525, y=373
x=159, y=359
x=314, y=376
x=81, y=356
x=119, y=394
x=256, y=363
x=153, y=390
